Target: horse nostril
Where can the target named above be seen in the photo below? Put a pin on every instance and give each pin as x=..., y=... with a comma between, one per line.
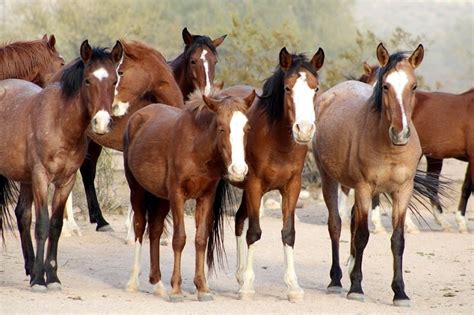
x=94, y=121
x=298, y=128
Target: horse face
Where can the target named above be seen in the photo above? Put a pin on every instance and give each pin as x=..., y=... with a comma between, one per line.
x=232, y=133
x=399, y=86
x=202, y=65
x=100, y=80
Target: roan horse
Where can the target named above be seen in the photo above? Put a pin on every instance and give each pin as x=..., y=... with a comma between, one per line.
x=366, y=140
x=282, y=124
x=172, y=155
x=35, y=61
x=44, y=142
x=444, y=125
x=146, y=79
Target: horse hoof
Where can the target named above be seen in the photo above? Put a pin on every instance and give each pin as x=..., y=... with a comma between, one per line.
x=334, y=290
x=104, y=228
x=160, y=290
x=402, y=303
x=246, y=295
x=131, y=288
x=54, y=286
x=39, y=288
x=176, y=298
x=296, y=296
x=205, y=297
x=356, y=296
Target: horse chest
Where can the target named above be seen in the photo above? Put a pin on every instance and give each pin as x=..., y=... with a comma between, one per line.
x=387, y=176
x=63, y=162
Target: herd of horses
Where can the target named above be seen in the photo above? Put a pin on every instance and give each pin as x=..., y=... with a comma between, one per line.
x=185, y=137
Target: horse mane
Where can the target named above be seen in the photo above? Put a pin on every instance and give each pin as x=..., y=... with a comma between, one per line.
x=273, y=90
x=136, y=50
x=73, y=74
x=393, y=60
x=19, y=59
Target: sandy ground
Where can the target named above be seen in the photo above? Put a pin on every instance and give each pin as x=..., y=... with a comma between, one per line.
x=94, y=269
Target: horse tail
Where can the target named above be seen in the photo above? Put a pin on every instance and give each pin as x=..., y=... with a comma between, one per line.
x=8, y=194
x=224, y=198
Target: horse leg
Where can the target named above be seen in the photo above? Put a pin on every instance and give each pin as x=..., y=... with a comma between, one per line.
x=434, y=169
x=359, y=239
x=376, y=216
x=330, y=194
x=61, y=193
x=241, y=227
x=137, y=194
x=343, y=200
x=23, y=217
x=203, y=221
x=69, y=224
x=254, y=232
x=289, y=198
x=156, y=219
x=88, y=170
x=130, y=238
x=466, y=191
x=179, y=240
x=40, y=198
x=400, y=200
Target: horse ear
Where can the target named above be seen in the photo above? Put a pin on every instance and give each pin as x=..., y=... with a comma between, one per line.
x=382, y=55
x=285, y=59
x=417, y=56
x=250, y=98
x=219, y=85
x=187, y=37
x=52, y=41
x=45, y=37
x=117, y=52
x=318, y=59
x=211, y=104
x=367, y=68
x=216, y=42
x=86, y=51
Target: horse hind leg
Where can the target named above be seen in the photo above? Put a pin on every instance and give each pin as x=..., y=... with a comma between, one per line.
x=23, y=216
x=466, y=191
x=70, y=226
x=434, y=169
x=376, y=216
x=343, y=203
x=241, y=227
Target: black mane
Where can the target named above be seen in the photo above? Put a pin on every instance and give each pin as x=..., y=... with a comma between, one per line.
x=273, y=92
x=73, y=75
x=393, y=60
x=199, y=41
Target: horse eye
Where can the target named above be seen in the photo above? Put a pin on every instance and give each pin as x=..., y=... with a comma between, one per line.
x=287, y=89
x=414, y=87
x=88, y=82
x=120, y=73
x=115, y=83
x=193, y=62
x=316, y=89
x=385, y=87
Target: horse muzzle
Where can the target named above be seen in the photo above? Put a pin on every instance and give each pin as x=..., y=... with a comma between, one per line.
x=101, y=122
x=237, y=173
x=399, y=138
x=303, y=132
x=119, y=108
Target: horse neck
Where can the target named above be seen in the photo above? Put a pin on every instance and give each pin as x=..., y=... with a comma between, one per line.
x=206, y=140
x=75, y=109
x=179, y=67
x=279, y=129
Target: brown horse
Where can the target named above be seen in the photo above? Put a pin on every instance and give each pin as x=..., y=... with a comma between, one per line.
x=282, y=124
x=195, y=67
x=444, y=125
x=172, y=155
x=44, y=142
x=35, y=61
x=366, y=140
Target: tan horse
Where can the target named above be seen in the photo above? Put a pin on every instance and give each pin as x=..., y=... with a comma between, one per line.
x=44, y=142
x=172, y=155
x=366, y=140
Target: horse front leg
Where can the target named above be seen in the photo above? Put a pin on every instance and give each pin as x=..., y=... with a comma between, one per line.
x=60, y=196
x=179, y=240
x=88, y=172
x=466, y=191
x=359, y=239
x=23, y=218
x=241, y=227
x=290, y=195
x=400, y=200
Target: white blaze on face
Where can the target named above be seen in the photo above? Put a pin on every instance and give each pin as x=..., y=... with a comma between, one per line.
x=207, y=89
x=398, y=80
x=118, y=76
x=101, y=74
x=238, y=167
x=101, y=121
x=303, y=97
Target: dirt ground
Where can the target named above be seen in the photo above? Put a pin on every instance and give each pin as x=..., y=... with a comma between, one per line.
x=94, y=269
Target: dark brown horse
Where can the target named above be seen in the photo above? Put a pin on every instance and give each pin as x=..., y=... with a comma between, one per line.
x=35, y=61
x=44, y=142
x=366, y=140
x=282, y=124
x=444, y=125
x=172, y=155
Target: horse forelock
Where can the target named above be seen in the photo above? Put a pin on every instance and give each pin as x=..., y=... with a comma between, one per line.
x=377, y=95
x=199, y=41
x=20, y=59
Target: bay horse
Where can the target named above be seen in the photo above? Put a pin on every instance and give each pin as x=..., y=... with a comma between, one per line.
x=44, y=142
x=444, y=125
x=35, y=61
x=282, y=124
x=366, y=141
x=171, y=155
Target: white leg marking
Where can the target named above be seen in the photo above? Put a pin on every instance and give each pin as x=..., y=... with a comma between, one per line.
x=398, y=80
x=132, y=285
x=100, y=74
x=462, y=223
x=207, y=89
x=294, y=290
x=241, y=248
x=342, y=204
x=351, y=263
x=410, y=225
x=129, y=226
x=377, y=220
x=249, y=274
x=70, y=226
x=160, y=290
x=441, y=219
x=101, y=121
x=238, y=168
